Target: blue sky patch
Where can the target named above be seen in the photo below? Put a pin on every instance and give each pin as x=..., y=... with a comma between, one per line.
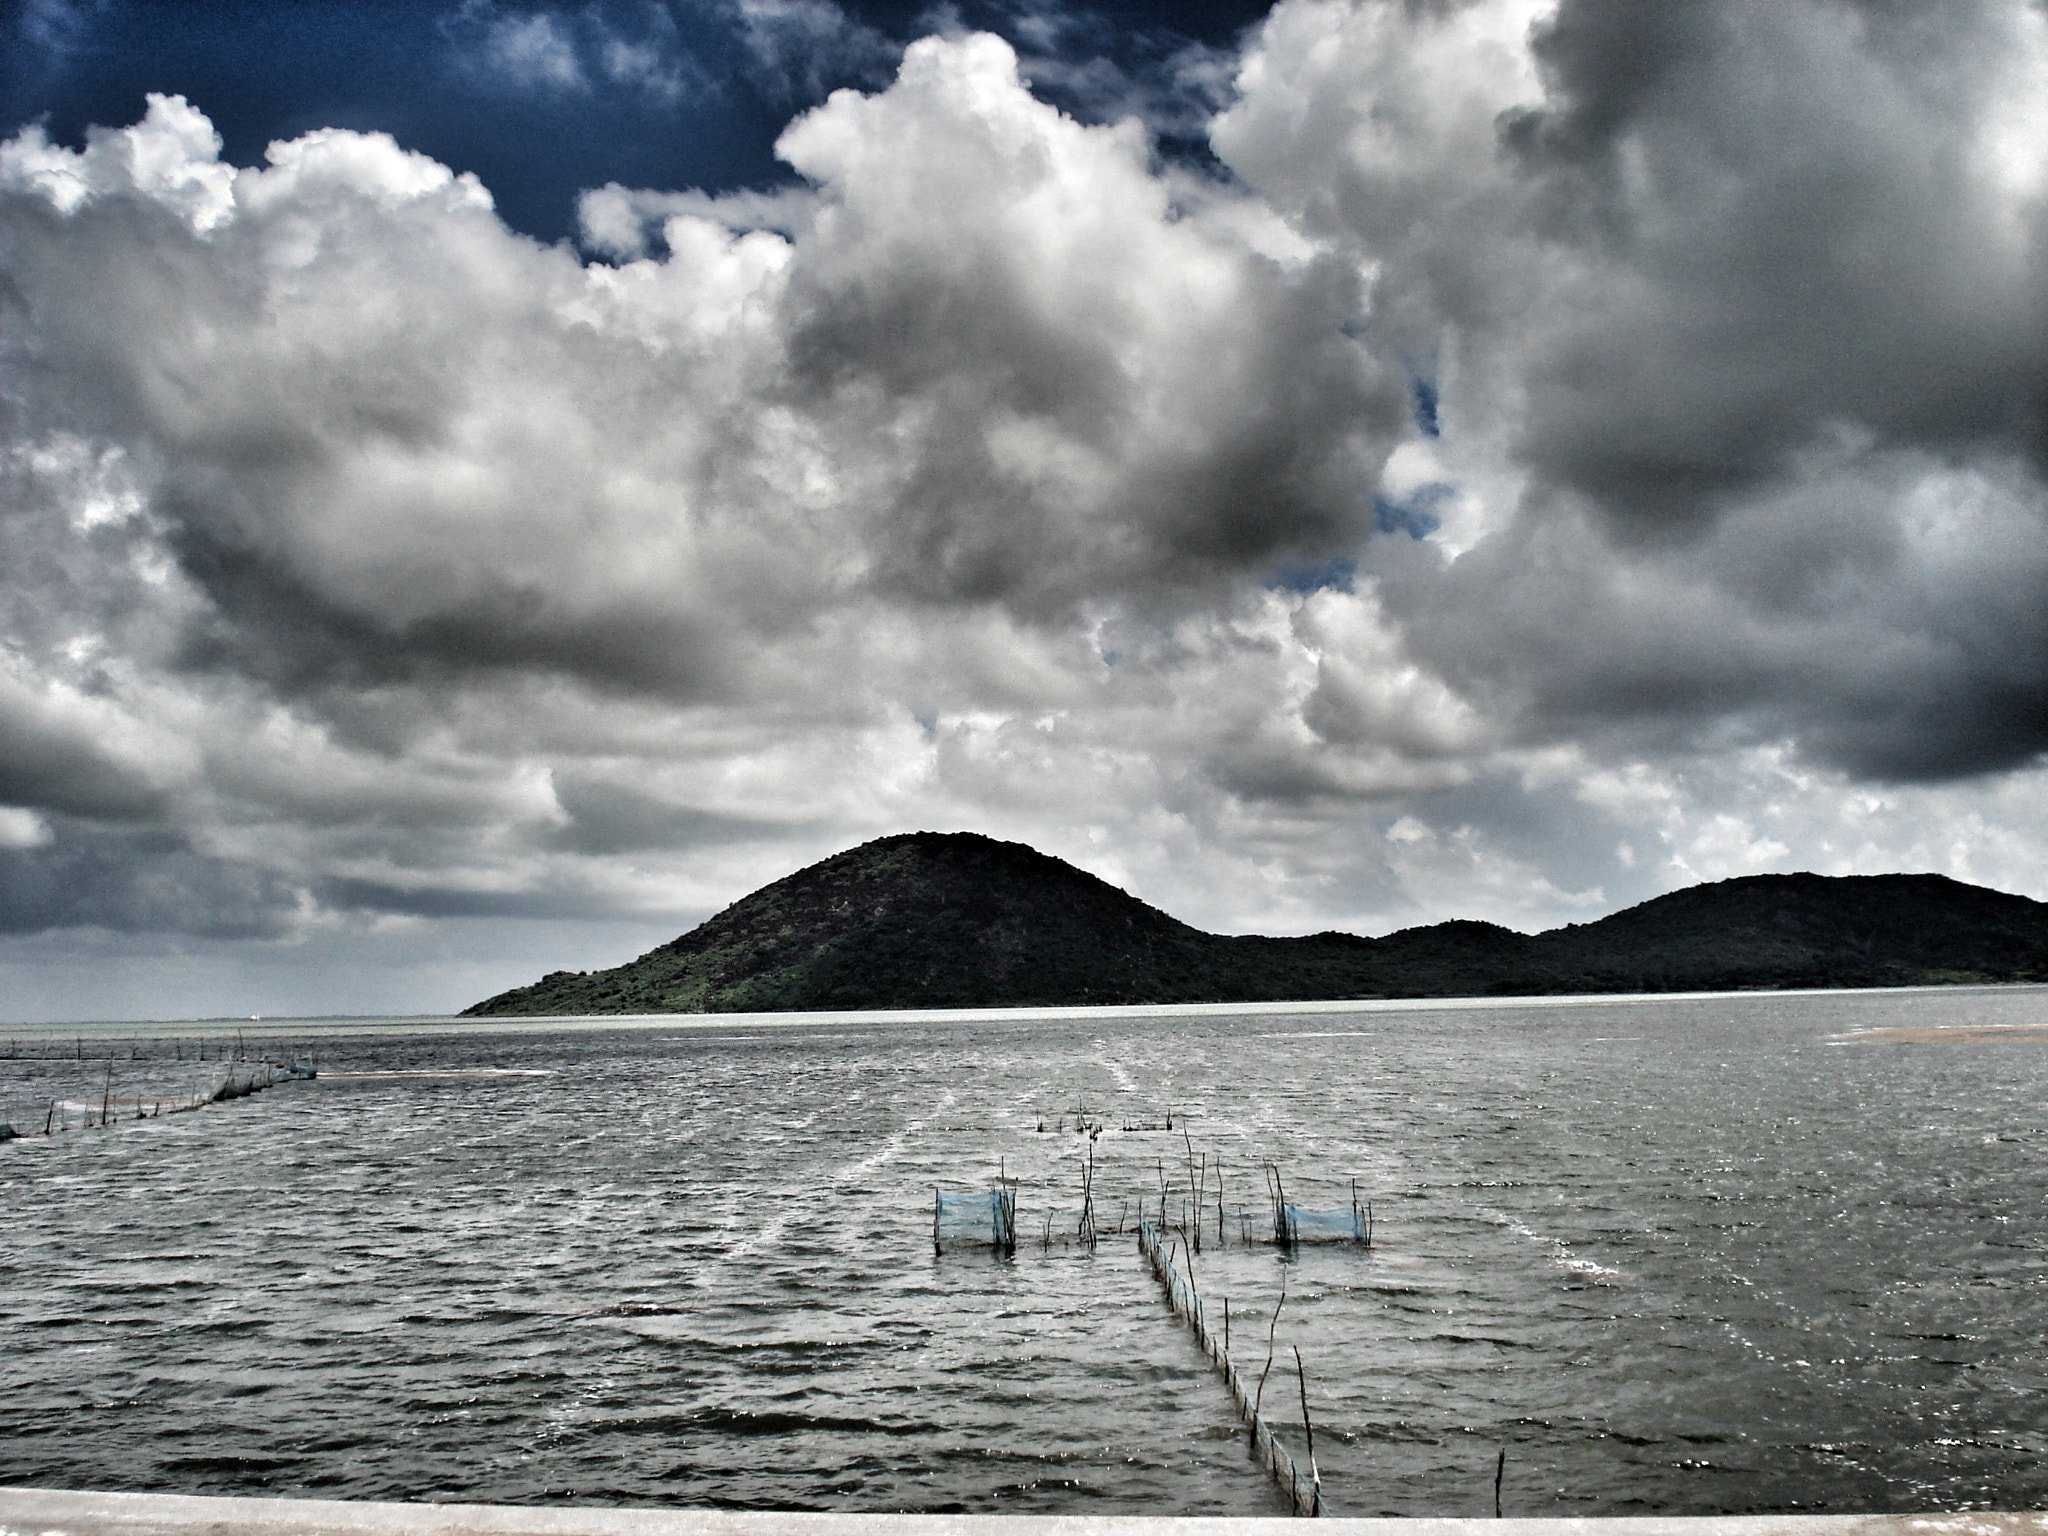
x=1423, y=392
x=1335, y=575
x=1414, y=514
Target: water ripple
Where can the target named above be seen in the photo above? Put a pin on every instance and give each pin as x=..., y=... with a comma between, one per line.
x=1694, y=1256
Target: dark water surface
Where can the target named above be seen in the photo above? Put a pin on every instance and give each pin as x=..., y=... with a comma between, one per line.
x=1760, y=1253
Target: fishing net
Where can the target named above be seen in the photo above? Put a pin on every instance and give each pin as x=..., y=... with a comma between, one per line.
x=987, y=1218
x=1344, y=1225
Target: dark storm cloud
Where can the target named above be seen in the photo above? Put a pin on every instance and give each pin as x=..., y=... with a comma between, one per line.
x=155, y=882
x=1748, y=300
x=612, y=818
x=1281, y=428
x=60, y=765
x=373, y=896
x=1791, y=225
x=1782, y=622
x=1033, y=327
x=138, y=882
x=1800, y=225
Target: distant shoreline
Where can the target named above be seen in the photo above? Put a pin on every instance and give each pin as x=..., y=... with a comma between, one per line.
x=346, y=1024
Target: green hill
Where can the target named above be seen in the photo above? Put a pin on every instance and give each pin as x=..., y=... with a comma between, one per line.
x=937, y=920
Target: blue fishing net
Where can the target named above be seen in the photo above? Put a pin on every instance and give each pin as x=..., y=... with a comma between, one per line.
x=986, y=1218
x=1343, y=1225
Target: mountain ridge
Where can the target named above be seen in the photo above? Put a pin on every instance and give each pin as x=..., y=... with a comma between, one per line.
x=933, y=920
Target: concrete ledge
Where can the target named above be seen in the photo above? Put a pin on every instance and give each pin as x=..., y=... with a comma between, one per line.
x=59, y=1512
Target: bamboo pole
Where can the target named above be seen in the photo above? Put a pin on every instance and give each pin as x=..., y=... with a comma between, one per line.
x=1308, y=1428
x=1272, y=1329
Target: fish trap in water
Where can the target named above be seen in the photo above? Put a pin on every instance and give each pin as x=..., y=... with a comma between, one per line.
x=983, y=1219
x=1298, y=1225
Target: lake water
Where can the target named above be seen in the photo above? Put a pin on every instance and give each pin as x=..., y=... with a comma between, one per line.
x=1682, y=1256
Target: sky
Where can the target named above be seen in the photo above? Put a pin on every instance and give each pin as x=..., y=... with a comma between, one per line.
x=485, y=485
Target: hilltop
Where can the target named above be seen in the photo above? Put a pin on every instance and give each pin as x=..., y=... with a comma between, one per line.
x=936, y=920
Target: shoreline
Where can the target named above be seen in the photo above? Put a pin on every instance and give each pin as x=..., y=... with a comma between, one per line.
x=456, y=1024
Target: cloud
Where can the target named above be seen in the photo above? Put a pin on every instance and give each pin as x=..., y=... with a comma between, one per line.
x=151, y=882
x=1105, y=70
x=389, y=439
x=1739, y=313
x=1564, y=452
x=56, y=29
x=576, y=52
x=801, y=49
x=322, y=459
x=530, y=51
x=22, y=829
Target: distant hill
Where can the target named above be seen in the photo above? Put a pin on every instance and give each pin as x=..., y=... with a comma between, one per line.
x=950, y=920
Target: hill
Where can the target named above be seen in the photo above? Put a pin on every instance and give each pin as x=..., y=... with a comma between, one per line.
x=935, y=920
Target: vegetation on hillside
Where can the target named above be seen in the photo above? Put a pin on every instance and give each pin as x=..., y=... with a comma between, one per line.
x=934, y=920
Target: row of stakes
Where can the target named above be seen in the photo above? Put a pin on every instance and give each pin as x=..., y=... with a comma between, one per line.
x=234, y=1084
x=169, y=1048
x=1185, y=1214
x=1304, y=1492
x=1156, y=1244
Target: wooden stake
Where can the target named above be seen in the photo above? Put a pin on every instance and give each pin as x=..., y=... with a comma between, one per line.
x=1272, y=1330
x=1308, y=1429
